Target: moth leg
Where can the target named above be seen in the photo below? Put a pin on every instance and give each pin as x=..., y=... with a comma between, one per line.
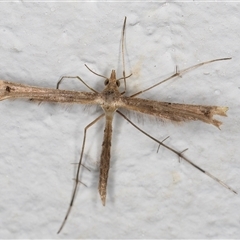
x=179, y=73
x=76, y=180
x=66, y=77
x=180, y=154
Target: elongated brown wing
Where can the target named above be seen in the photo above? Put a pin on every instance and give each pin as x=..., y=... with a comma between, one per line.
x=15, y=90
x=174, y=111
x=105, y=158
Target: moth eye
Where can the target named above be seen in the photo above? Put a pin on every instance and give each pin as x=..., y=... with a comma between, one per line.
x=118, y=83
x=106, y=82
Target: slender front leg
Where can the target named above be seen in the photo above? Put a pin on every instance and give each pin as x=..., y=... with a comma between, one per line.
x=65, y=77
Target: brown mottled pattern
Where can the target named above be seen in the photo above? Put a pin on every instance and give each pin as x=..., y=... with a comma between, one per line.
x=174, y=111
x=105, y=160
x=15, y=90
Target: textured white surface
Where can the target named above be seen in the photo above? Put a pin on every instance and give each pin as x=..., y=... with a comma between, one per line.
x=150, y=195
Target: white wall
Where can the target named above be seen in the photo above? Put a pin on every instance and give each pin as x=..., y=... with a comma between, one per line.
x=150, y=195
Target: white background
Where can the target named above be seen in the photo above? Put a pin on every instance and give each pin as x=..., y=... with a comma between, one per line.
x=150, y=195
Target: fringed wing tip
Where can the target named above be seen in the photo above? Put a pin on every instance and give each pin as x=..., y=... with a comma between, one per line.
x=3, y=89
x=217, y=123
x=221, y=111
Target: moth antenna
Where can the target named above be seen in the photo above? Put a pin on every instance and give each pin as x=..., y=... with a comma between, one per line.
x=94, y=72
x=123, y=54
